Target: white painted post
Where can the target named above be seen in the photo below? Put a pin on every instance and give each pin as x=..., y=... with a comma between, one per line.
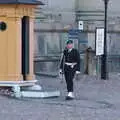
x=16, y=90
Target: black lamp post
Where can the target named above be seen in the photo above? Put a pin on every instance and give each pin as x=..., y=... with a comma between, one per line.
x=104, y=73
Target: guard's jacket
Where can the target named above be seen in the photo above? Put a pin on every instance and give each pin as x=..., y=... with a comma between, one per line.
x=70, y=57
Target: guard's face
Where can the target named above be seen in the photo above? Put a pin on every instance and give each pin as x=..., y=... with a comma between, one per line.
x=69, y=46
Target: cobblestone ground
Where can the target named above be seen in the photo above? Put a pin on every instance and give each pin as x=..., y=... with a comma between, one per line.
x=95, y=100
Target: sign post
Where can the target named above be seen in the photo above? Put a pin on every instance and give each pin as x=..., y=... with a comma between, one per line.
x=99, y=47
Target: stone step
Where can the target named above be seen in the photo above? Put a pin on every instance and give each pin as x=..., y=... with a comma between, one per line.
x=40, y=94
x=33, y=88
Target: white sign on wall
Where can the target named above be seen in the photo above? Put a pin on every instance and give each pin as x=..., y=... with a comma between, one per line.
x=99, y=41
x=80, y=25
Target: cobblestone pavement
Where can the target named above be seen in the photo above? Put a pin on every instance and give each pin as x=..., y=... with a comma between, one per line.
x=95, y=100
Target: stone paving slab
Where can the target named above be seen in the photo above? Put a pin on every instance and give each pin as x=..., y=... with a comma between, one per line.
x=95, y=100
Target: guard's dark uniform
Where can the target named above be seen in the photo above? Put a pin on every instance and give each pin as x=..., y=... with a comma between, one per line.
x=70, y=63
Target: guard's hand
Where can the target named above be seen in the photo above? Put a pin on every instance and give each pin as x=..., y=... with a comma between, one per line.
x=60, y=71
x=61, y=76
x=77, y=72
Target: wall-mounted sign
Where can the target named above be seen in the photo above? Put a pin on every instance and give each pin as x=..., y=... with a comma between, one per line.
x=73, y=34
x=99, y=41
x=80, y=25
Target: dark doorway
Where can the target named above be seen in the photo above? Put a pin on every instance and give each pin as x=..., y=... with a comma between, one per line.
x=25, y=46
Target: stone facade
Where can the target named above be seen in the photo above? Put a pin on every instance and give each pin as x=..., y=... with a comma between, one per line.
x=57, y=15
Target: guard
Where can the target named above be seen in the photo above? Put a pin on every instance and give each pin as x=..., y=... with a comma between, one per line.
x=69, y=66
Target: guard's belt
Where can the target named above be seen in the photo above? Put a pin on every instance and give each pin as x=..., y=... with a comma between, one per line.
x=70, y=64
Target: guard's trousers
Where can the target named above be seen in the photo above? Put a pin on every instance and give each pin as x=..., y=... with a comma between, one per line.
x=69, y=73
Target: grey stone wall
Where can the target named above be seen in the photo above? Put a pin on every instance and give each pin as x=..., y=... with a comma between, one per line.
x=56, y=14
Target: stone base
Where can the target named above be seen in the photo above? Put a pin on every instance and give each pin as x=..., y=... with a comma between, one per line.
x=40, y=94
x=19, y=83
x=28, y=89
x=34, y=88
